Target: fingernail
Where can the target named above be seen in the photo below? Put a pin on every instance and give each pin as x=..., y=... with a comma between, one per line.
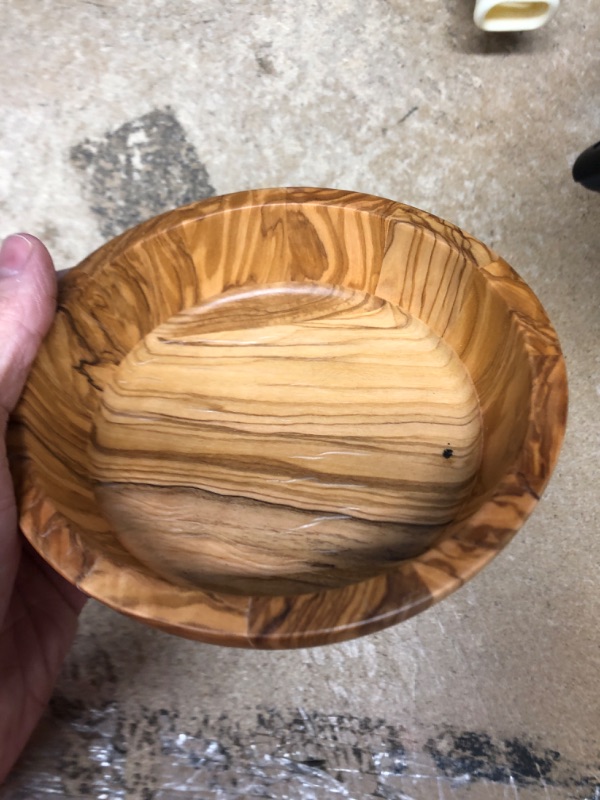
x=14, y=254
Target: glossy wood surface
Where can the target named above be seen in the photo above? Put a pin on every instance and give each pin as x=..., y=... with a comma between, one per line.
x=283, y=392
x=282, y=438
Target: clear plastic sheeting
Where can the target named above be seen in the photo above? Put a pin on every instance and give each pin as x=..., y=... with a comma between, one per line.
x=297, y=755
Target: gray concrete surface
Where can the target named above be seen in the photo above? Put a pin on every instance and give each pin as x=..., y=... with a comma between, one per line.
x=111, y=111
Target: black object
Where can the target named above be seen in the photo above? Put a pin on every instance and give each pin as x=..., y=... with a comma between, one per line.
x=586, y=169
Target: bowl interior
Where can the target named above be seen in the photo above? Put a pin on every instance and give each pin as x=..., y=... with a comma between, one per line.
x=298, y=397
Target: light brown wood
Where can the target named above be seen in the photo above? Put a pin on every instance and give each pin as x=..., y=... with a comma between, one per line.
x=251, y=443
x=285, y=392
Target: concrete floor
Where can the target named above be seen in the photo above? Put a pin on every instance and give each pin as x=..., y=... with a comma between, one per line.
x=113, y=111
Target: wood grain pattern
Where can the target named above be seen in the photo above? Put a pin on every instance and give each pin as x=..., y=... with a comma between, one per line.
x=272, y=271
x=329, y=410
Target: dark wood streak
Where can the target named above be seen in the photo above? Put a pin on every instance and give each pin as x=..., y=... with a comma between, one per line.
x=427, y=267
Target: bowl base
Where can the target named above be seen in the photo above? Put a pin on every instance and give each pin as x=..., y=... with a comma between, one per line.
x=324, y=434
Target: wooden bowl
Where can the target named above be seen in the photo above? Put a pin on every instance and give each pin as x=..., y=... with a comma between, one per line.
x=286, y=417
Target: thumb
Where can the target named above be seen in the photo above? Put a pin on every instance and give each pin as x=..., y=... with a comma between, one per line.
x=27, y=304
x=27, y=299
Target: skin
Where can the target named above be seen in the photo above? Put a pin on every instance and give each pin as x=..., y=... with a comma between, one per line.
x=38, y=608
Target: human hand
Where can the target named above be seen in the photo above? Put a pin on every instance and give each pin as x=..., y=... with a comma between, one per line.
x=38, y=608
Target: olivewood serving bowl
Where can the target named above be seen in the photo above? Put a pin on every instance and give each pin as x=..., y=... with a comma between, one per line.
x=286, y=417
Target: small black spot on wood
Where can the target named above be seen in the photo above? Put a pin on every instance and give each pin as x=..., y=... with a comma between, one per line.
x=448, y=452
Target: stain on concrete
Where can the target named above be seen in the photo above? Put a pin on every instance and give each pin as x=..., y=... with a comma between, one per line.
x=265, y=65
x=408, y=114
x=141, y=169
x=468, y=753
x=50, y=235
x=264, y=60
x=529, y=763
x=95, y=750
x=517, y=760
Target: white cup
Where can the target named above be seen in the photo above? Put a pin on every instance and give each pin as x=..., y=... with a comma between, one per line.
x=513, y=15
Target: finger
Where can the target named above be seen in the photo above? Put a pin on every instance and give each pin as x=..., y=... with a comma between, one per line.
x=27, y=303
x=27, y=300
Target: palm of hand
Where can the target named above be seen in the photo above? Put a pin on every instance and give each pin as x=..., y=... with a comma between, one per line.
x=38, y=609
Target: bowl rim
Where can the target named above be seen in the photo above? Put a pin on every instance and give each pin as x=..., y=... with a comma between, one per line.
x=370, y=605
